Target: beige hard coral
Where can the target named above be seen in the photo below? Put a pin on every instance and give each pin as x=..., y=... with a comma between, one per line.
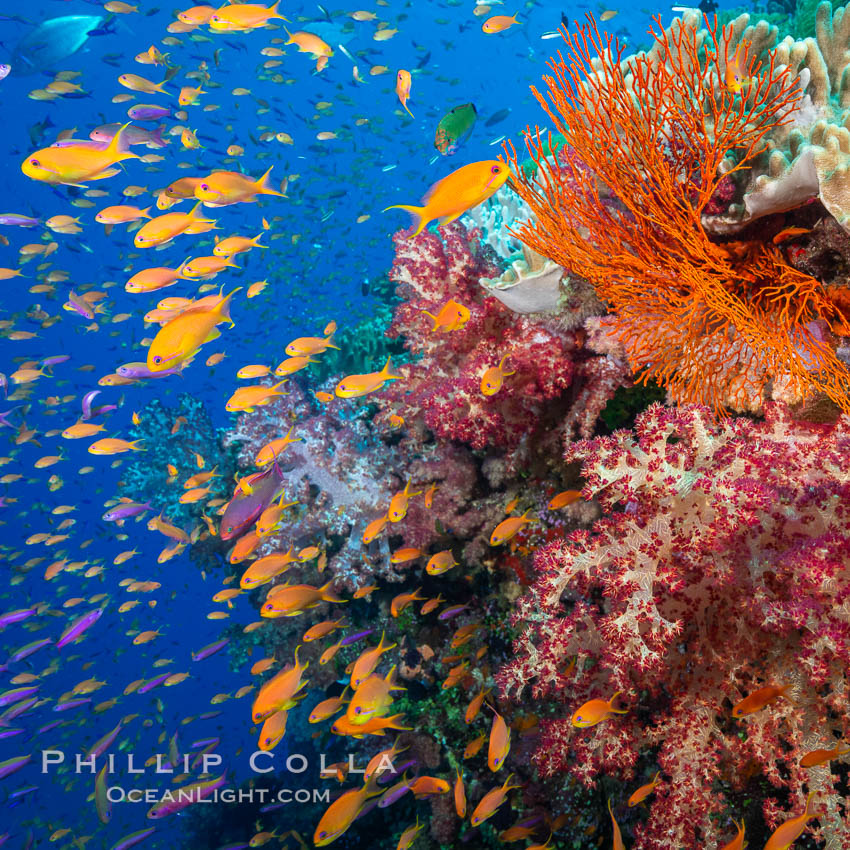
x=530, y=284
x=808, y=156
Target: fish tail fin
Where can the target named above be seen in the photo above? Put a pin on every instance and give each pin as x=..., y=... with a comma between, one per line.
x=144, y=213
x=256, y=241
x=114, y=148
x=264, y=185
x=273, y=12
x=274, y=389
x=136, y=447
x=329, y=595
x=223, y=307
x=394, y=722
x=289, y=35
x=418, y=214
x=386, y=372
x=408, y=111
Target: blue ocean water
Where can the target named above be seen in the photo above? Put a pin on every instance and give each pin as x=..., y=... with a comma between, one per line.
x=323, y=267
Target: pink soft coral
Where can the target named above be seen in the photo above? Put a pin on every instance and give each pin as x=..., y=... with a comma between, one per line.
x=722, y=564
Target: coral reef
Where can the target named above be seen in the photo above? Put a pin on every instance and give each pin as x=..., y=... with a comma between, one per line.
x=719, y=568
x=714, y=323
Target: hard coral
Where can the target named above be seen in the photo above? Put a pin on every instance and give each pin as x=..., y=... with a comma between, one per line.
x=622, y=206
x=721, y=565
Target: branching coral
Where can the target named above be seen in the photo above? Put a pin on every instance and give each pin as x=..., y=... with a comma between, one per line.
x=622, y=206
x=722, y=565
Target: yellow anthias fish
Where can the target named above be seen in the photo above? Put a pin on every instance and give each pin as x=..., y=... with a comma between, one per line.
x=402, y=89
x=74, y=165
x=307, y=42
x=247, y=16
x=356, y=385
x=452, y=317
x=223, y=188
x=493, y=378
x=164, y=228
x=460, y=191
x=180, y=338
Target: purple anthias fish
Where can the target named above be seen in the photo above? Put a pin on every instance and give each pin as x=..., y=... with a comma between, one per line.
x=4, y=421
x=11, y=733
x=15, y=220
x=80, y=143
x=99, y=747
x=148, y=112
x=348, y=640
x=80, y=625
x=71, y=703
x=133, y=838
x=210, y=649
x=88, y=398
x=205, y=742
x=451, y=611
x=16, y=616
x=126, y=510
x=391, y=795
x=16, y=710
x=17, y=694
x=131, y=136
x=12, y=764
x=55, y=360
x=152, y=683
x=140, y=370
x=29, y=649
x=245, y=508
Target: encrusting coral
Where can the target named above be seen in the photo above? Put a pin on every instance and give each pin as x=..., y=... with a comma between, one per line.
x=621, y=205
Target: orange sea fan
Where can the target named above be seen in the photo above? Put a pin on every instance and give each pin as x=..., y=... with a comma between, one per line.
x=648, y=139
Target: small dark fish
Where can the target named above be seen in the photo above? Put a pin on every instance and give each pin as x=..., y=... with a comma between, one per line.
x=496, y=117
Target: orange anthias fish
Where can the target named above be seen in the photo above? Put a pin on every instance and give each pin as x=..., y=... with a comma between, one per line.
x=278, y=694
x=452, y=317
x=181, y=337
x=353, y=386
x=787, y=833
x=461, y=190
x=290, y=600
x=498, y=23
x=617, y=843
x=372, y=698
x=759, y=699
x=561, y=500
x=374, y=726
x=645, y=790
x=500, y=742
x=740, y=69
x=737, y=843
x=595, y=711
x=402, y=89
x=509, y=528
x=491, y=801
x=494, y=377
x=247, y=16
x=818, y=757
x=223, y=188
x=74, y=165
x=342, y=812
x=365, y=665
x=398, y=504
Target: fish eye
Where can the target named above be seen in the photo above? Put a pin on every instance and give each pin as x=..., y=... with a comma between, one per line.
x=35, y=162
x=357, y=710
x=322, y=834
x=157, y=359
x=205, y=187
x=495, y=169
